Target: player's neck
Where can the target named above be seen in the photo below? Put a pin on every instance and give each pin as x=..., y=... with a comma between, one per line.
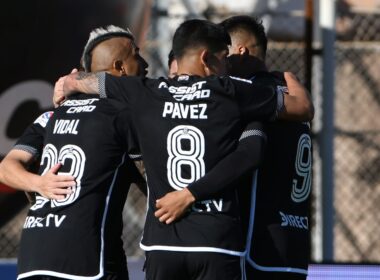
x=191, y=66
x=190, y=72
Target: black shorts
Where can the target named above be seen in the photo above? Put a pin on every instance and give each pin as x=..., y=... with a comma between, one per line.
x=253, y=274
x=167, y=265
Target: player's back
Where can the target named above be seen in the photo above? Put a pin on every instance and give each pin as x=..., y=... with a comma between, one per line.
x=184, y=127
x=72, y=236
x=198, y=124
x=276, y=209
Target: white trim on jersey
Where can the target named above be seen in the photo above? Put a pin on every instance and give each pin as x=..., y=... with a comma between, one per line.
x=101, y=261
x=250, y=235
x=276, y=269
x=242, y=268
x=241, y=79
x=253, y=132
x=26, y=148
x=55, y=274
x=179, y=248
x=191, y=249
x=102, y=84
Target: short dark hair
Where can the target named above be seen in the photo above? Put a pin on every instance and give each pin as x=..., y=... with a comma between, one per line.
x=249, y=24
x=197, y=33
x=170, y=58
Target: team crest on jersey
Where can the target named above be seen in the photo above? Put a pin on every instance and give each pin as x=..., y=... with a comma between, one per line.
x=183, y=78
x=44, y=118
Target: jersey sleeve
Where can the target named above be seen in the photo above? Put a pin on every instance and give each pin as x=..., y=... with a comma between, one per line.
x=258, y=102
x=246, y=157
x=113, y=87
x=32, y=140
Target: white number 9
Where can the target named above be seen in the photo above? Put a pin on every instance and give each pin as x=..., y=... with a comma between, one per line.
x=303, y=169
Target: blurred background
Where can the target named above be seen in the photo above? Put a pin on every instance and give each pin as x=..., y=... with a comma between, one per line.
x=333, y=46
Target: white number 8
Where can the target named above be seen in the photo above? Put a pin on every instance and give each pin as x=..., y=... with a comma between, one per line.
x=179, y=157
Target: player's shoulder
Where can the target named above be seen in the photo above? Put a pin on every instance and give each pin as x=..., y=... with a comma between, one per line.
x=273, y=79
x=227, y=85
x=128, y=82
x=183, y=82
x=264, y=77
x=235, y=79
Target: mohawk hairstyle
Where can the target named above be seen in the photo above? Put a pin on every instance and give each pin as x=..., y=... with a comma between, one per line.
x=99, y=35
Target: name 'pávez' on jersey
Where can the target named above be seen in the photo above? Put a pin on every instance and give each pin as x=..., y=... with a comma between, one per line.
x=184, y=127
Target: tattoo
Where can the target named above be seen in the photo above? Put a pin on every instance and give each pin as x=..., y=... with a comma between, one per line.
x=87, y=82
x=84, y=75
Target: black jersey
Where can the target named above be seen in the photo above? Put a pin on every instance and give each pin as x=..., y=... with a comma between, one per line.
x=32, y=140
x=276, y=210
x=78, y=237
x=184, y=126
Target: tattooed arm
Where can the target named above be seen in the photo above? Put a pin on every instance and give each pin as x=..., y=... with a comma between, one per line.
x=74, y=82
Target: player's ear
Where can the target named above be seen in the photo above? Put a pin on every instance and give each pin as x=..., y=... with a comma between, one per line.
x=243, y=50
x=204, y=56
x=118, y=66
x=205, y=60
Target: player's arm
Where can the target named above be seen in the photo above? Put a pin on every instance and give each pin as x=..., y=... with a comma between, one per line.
x=14, y=167
x=298, y=105
x=74, y=82
x=136, y=177
x=4, y=175
x=140, y=181
x=91, y=83
x=265, y=103
x=13, y=170
x=247, y=156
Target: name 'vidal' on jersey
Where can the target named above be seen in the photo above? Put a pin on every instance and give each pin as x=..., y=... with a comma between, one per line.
x=79, y=237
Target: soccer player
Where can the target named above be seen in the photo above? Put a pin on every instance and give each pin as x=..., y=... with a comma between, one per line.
x=276, y=208
x=195, y=120
x=77, y=234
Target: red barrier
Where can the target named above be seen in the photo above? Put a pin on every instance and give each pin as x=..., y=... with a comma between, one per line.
x=6, y=189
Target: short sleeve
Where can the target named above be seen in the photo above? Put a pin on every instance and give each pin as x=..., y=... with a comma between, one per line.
x=32, y=140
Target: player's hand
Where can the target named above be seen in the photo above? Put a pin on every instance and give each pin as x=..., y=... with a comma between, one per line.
x=173, y=205
x=53, y=186
x=290, y=77
x=62, y=87
x=59, y=96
